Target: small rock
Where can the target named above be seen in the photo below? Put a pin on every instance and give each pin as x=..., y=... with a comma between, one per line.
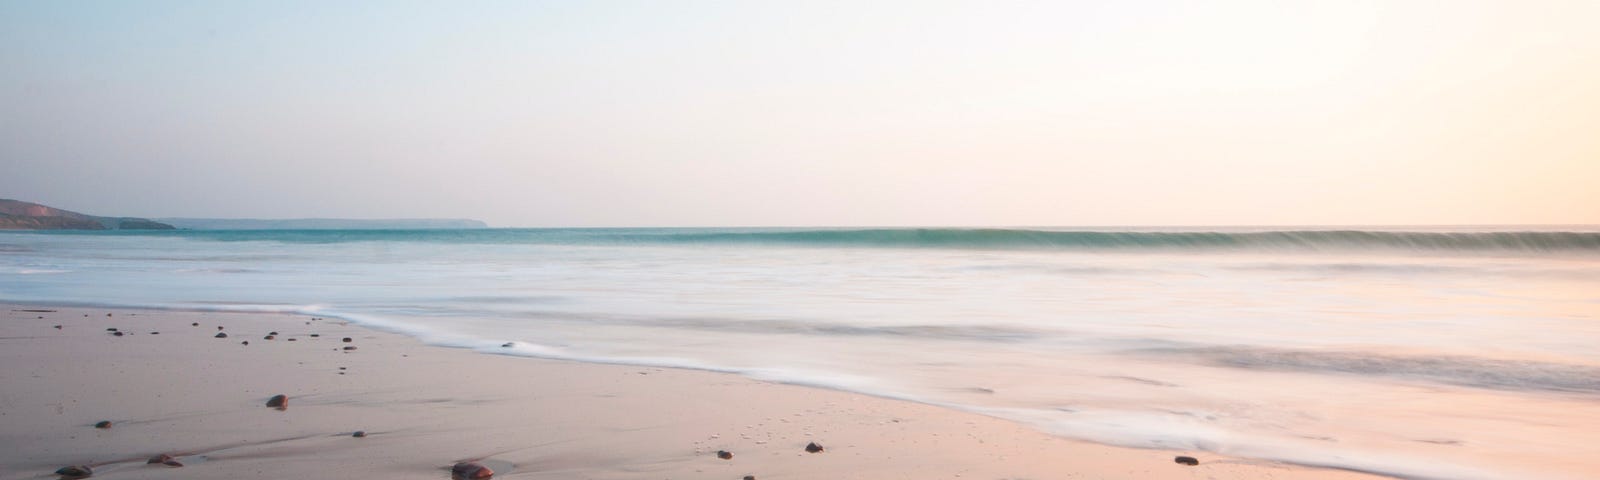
x=219, y=327
x=503, y=345
x=316, y=334
x=269, y=337
x=346, y=340
x=724, y=454
x=749, y=477
x=813, y=447
x=103, y=424
x=359, y=434
x=76, y=471
x=195, y=324
x=341, y=368
x=116, y=334
x=172, y=463
x=162, y=458
x=221, y=335
x=1190, y=461
x=155, y=333
x=279, y=401
x=108, y=314
x=352, y=347
x=470, y=470
x=246, y=342
x=272, y=333
x=58, y=327
x=293, y=339
x=112, y=329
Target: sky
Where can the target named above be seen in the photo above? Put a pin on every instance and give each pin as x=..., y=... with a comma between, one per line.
x=781, y=113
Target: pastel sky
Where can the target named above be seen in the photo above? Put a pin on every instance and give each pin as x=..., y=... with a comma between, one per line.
x=698, y=113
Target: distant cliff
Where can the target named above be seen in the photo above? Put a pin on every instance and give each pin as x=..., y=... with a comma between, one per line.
x=20, y=215
x=322, y=223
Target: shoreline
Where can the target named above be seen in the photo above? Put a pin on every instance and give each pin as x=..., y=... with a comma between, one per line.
x=202, y=399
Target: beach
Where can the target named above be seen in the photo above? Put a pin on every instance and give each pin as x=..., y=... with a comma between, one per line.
x=169, y=386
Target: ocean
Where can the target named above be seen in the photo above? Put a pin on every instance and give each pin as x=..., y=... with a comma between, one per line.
x=1439, y=353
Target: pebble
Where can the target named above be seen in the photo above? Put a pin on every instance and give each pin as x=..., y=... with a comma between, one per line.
x=219, y=327
x=279, y=401
x=75, y=471
x=118, y=334
x=749, y=477
x=58, y=327
x=272, y=333
x=813, y=447
x=103, y=424
x=503, y=345
x=112, y=329
x=246, y=342
x=196, y=324
x=470, y=470
x=346, y=340
x=155, y=333
x=359, y=434
x=352, y=347
x=293, y=339
x=1190, y=461
x=162, y=458
x=724, y=454
x=269, y=337
x=221, y=335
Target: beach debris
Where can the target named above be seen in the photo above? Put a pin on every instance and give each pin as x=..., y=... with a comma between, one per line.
x=470, y=470
x=359, y=434
x=1190, y=461
x=279, y=401
x=172, y=463
x=813, y=448
x=75, y=471
x=269, y=337
x=346, y=340
x=221, y=335
x=352, y=347
x=724, y=454
x=103, y=424
x=116, y=334
x=163, y=458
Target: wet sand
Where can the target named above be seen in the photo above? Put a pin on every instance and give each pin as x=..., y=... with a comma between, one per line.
x=202, y=399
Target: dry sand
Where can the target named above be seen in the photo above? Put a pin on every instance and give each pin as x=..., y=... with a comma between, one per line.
x=202, y=399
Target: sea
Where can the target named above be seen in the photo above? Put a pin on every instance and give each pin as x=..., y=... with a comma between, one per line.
x=1418, y=352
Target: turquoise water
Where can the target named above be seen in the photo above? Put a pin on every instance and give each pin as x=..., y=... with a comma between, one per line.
x=1428, y=353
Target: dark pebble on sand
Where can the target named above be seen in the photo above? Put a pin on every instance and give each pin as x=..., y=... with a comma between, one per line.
x=75, y=471
x=269, y=337
x=724, y=454
x=172, y=463
x=116, y=334
x=103, y=424
x=58, y=327
x=470, y=470
x=1191, y=461
x=346, y=340
x=195, y=324
x=221, y=335
x=316, y=334
x=292, y=339
x=162, y=458
x=279, y=401
x=155, y=333
x=112, y=329
x=352, y=347
x=359, y=434
x=749, y=477
x=813, y=447
x=246, y=342
x=272, y=333
x=506, y=345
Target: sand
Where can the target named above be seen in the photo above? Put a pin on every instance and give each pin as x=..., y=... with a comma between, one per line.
x=203, y=400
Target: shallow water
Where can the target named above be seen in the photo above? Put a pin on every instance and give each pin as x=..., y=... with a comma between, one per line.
x=1429, y=353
